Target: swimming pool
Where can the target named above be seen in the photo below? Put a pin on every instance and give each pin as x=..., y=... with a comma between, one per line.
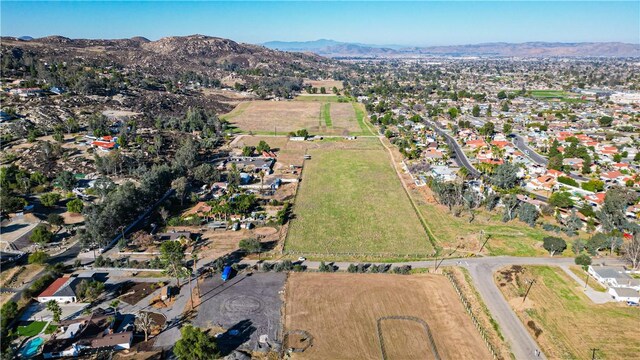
x=31, y=347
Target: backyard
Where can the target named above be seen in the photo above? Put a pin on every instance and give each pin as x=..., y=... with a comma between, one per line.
x=564, y=321
x=350, y=202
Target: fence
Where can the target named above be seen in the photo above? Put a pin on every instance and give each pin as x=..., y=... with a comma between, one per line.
x=483, y=332
x=432, y=343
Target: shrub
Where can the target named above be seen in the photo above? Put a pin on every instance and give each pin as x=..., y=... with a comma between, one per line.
x=75, y=206
x=49, y=199
x=583, y=259
x=352, y=268
x=38, y=257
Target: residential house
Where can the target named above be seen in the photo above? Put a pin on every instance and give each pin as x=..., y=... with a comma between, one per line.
x=87, y=334
x=614, y=276
x=624, y=294
x=62, y=290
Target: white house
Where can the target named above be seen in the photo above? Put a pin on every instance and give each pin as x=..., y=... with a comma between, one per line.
x=624, y=294
x=59, y=291
x=614, y=276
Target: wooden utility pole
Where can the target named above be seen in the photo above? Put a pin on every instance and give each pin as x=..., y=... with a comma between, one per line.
x=529, y=289
x=593, y=353
x=487, y=237
x=586, y=281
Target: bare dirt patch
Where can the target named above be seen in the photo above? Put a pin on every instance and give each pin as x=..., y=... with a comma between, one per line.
x=342, y=317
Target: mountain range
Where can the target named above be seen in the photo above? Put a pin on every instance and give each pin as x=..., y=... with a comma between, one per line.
x=336, y=49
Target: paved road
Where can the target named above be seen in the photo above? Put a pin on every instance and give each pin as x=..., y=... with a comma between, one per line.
x=482, y=270
x=521, y=144
x=461, y=157
x=537, y=158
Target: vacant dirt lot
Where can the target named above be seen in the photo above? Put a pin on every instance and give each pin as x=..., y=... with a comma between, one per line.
x=342, y=318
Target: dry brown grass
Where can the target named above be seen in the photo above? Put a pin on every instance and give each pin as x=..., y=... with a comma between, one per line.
x=565, y=322
x=341, y=310
x=279, y=116
x=343, y=117
x=328, y=84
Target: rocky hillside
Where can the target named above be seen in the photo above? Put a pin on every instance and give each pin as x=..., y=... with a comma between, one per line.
x=210, y=55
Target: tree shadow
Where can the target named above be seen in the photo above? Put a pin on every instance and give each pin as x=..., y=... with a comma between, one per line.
x=235, y=336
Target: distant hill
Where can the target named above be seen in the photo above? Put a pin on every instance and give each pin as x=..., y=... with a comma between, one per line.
x=25, y=38
x=214, y=56
x=333, y=48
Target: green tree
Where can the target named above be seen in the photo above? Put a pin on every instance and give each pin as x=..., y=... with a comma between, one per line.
x=583, y=260
x=506, y=128
x=75, y=206
x=605, y=121
x=251, y=245
x=172, y=259
x=247, y=151
x=488, y=129
x=49, y=199
x=453, y=112
x=55, y=309
x=528, y=213
x=195, y=344
x=41, y=235
x=263, y=146
x=38, y=257
x=561, y=199
x=505, y=176
x=475, y=111
x=554, y=245
x=593, y=185
x=55, y=219
x=502, y=95
x=66, y=180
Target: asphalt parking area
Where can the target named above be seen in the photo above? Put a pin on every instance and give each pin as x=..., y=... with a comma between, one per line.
x=247, y=306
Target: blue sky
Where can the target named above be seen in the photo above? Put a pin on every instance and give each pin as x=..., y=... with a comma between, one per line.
x=405, y=23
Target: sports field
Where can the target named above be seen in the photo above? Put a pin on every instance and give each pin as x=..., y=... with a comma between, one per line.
x=350, y=201
x=282, y=117
x=342, y=313
x=567, y=322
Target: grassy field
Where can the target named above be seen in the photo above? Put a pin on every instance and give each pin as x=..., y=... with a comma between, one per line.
x=341, y=312
x=568, y=323
x=548, y=93
x=514, y=238
x=32, y=329
x=351, y=202
x=325, y=114
x=360, y=117
x=319, y=97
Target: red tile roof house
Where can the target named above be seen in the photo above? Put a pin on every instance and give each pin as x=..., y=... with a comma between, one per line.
x=60, y=291
x=476, y=144
x=106, y=143
x=612, y=176
x=595, y=199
